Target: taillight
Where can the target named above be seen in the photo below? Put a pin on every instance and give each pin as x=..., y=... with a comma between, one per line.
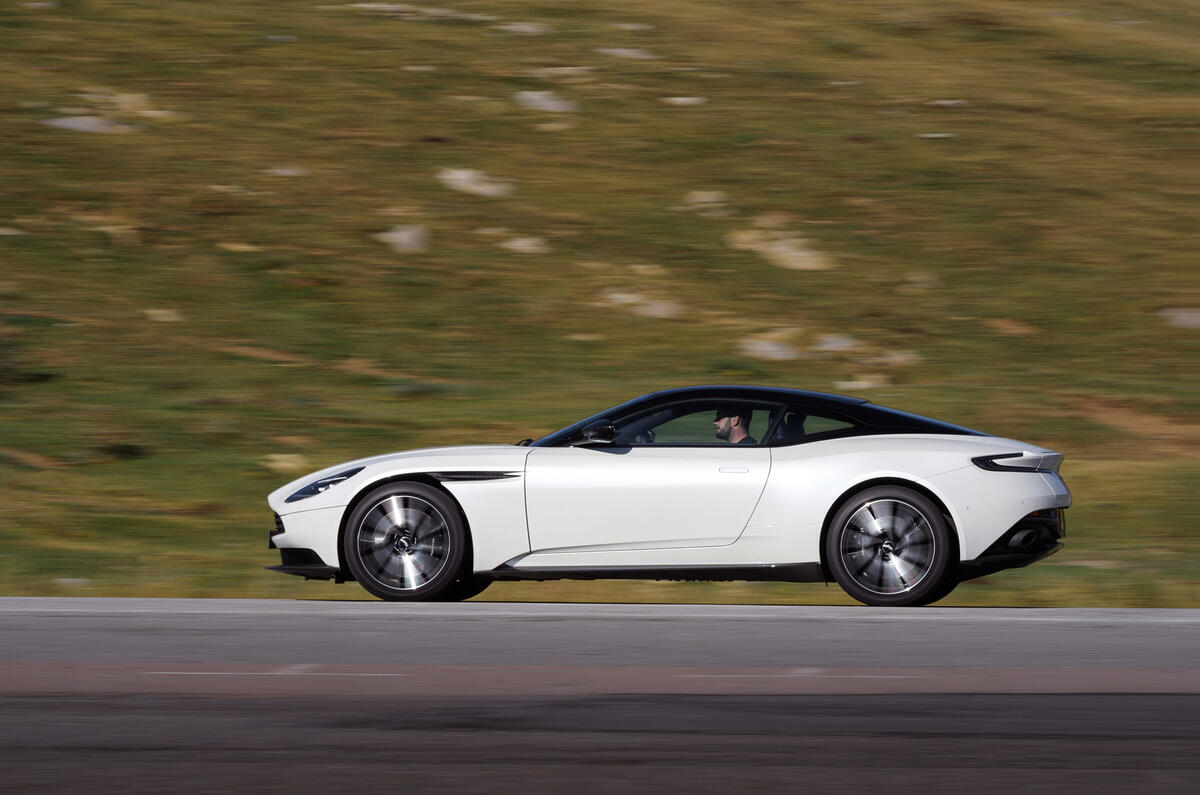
x=1019, y=462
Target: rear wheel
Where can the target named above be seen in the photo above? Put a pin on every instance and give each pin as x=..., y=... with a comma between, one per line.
x=405, y=542
x=890, y=545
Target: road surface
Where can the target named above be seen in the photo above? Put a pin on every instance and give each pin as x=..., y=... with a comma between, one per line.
x=211, y=695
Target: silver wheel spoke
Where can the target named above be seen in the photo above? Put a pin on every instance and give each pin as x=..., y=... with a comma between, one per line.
x=428, y=526
x=866, y=523
x=403, y=542
x=864, y=532
x=413, y=575
x=914, y=527
x=887, y=546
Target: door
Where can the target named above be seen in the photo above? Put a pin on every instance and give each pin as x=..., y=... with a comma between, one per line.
x=667, y=481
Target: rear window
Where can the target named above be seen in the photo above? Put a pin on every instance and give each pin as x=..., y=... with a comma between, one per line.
x=800, y=424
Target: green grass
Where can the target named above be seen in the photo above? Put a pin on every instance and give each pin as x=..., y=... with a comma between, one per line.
x=1023, y=260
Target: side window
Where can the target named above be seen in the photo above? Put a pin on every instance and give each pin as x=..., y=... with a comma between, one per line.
x=697, y=423
x=799, y=424
x=816, y=424
x=694, y=427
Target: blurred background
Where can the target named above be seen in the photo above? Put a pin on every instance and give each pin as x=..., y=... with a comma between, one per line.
x=242, y=241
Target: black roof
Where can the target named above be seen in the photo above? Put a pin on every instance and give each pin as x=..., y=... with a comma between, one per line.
x=776, y=392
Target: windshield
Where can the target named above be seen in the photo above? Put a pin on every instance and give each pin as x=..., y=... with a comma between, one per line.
x=559, y=436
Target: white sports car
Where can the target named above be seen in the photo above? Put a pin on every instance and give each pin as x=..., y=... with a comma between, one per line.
x=698, y=483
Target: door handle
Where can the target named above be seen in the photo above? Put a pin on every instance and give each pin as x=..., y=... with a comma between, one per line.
x=733, y=469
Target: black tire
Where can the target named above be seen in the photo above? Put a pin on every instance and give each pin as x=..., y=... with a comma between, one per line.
x=405, y=542
x=465, y=587
x=949, y=582
x=891, y=546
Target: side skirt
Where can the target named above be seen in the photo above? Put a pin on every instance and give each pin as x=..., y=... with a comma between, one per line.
x=787, y=572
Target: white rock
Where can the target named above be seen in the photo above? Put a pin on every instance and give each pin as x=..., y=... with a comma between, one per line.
x=659, y=309
x=781, y=249
x=405, y=238
x=526, y=245
x=948, y=103
x=632, y=26
x=287, y=171
x=11, y=231
x=921, y=280
x=834, y=343
x=131, y=103
x=544, y=100
x=468, y=180
x=418, y=12
x=163, y=315
x=683, y=101
x=1181, y=318
x=937, y=136
x=845, y=83
x=705, y=197
x=90, y=124
x=866, y=382
x=525, y=28
x=641, y=305
x=769, y=350
x=399, y=210
x=636, y=53
x=619, y=298
x=648, y=269
x=285, y=462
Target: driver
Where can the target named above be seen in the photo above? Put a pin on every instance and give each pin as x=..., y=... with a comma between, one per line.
x=733, y=425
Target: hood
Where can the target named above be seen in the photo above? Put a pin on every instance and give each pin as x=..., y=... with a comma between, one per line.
x=432, y=459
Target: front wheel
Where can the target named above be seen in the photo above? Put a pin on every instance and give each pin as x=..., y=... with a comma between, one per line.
x=891, y=546
x=405, y=542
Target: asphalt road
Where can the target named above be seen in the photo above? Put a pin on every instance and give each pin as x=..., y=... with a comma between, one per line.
x=213, y=695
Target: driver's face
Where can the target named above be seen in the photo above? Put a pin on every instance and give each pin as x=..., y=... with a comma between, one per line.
x=724, y=426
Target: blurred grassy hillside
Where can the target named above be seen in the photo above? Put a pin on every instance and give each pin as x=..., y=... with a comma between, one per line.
x=240, y=241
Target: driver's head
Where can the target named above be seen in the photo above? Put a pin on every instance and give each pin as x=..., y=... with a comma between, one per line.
x=732, y=422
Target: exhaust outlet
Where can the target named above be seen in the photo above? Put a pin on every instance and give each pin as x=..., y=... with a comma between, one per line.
x=1023, y=539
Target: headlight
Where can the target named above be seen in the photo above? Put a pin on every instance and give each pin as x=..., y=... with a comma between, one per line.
x=324, y=484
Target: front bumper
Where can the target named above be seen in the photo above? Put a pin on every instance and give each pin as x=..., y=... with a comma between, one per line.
x=305, y=563
x=307, y=544
x=315, y=530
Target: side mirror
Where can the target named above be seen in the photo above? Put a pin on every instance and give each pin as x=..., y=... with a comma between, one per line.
x=600, y=433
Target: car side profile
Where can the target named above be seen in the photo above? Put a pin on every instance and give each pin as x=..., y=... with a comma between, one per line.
x=695, y=483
